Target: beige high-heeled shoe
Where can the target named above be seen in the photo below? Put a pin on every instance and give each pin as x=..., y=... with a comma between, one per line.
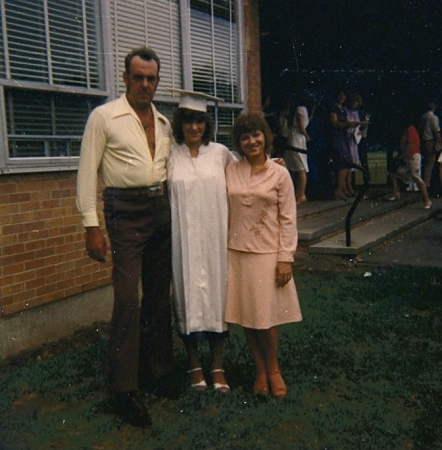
x=261, y=386
x=277, y=385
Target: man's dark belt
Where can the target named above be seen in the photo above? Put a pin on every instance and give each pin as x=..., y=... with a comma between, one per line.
x=297, y=150
x=154, y=190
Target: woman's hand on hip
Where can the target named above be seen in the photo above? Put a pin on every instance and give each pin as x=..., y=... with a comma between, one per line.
x=283, y=273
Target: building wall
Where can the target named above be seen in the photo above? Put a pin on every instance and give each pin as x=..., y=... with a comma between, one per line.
x=42, y=255
x=251, y=16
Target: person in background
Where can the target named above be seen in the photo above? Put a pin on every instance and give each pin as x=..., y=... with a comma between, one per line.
x=198, y=198
x=410, y=154
x=340, y=145
x=296, y=155
x=128, y=142
x=262, y=239
x=320, y=179
x=431, y=142
x=268, y=111
x=281, y=131
x=363, y=144
x=354, y=136
x=439, y=160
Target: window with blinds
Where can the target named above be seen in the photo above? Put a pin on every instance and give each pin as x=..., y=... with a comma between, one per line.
x=201, y=35
x=56, y=55
x=214, y=48
x=42, y=125
x=51, y=57
x=151, y=23
x=53, y=41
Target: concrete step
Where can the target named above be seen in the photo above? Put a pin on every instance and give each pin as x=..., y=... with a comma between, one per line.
x=378, y=229
x=323, y=221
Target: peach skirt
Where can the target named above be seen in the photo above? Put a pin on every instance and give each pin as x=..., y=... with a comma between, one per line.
x=253, y=298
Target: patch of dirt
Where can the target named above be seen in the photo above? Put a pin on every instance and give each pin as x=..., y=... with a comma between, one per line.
x=79, y=339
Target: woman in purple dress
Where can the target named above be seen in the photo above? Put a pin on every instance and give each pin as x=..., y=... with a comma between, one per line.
x=340, y=145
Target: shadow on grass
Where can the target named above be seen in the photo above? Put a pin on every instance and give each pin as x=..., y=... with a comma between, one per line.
x=363, y=368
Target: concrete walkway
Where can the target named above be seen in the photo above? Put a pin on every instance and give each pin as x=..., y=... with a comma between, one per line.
x=419, y=247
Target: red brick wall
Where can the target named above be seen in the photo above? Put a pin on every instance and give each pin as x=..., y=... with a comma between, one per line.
x=251, y=16
x=42, y=255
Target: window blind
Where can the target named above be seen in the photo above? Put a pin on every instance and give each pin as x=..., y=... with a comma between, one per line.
x=214, y=43
x=59, y=119
x=53, y=41
x=26, y=34
x=156, y=24
x=57, y=43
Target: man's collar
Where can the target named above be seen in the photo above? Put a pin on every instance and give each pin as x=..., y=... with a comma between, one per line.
x=122, y=107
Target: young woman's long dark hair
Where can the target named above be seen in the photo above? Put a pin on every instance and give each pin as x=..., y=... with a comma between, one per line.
x=185, y=115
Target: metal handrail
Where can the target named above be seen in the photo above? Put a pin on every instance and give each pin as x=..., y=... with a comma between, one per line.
x=358, y=199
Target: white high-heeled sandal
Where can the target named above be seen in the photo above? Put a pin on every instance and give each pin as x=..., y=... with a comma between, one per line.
x=201, y=385
x=220, y=387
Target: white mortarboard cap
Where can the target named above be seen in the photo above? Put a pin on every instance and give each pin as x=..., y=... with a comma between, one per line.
x=196, y=101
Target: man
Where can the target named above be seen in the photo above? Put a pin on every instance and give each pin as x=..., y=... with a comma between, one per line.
x=128, y=142
x=430, y=140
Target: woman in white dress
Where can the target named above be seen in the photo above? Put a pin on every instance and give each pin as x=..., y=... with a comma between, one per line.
x=296, y=155
x=198, y=199
x=354, y=103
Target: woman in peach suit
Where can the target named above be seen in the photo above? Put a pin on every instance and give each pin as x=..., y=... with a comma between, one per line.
x=262, y=239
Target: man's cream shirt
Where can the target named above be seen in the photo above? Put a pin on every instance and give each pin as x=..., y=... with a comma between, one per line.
x=115, y=144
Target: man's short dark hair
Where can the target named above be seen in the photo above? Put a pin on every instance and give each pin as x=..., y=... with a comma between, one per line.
x=145, y=53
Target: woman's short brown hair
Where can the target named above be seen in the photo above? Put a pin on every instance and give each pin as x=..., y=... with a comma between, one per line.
x=185, y=115
x=248, y=123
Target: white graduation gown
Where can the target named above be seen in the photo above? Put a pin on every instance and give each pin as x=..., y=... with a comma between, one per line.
x=198, y=199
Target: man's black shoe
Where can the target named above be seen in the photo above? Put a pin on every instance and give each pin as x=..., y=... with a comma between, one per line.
x=132, y=410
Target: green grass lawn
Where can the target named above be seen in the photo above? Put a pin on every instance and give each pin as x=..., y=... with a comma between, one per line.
x=363, y=369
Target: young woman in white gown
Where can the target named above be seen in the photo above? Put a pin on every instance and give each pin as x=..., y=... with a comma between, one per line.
x=198, y=198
